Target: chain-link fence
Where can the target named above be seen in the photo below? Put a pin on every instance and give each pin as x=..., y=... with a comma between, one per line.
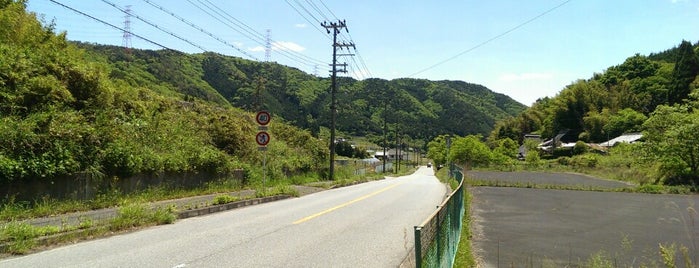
x=437, y=238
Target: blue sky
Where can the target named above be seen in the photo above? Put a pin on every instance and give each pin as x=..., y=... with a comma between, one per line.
x=404, y=38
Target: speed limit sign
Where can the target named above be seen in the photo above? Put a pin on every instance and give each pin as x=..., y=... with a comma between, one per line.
x=263, y=118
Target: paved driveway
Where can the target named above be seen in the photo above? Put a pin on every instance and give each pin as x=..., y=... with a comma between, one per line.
x=520, y=227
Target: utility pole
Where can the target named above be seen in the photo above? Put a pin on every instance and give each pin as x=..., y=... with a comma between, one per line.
x=336, y=26
x=385, y=131
x=397, y=151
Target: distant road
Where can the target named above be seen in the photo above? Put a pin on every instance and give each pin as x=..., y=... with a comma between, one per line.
x=366, y=225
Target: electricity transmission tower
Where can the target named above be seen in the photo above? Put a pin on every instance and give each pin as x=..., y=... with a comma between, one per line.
x=126, y=37
x=268, y=45
x=336, y=27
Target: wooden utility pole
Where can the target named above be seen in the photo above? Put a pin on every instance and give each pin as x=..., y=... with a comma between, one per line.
x=336, y=26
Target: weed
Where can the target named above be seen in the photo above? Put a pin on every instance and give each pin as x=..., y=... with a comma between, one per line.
x=130, y=216
x=164, y=215
x=277, y=190
x=304, y=179
x=12, y=209
x=85, y=223
x=599, y=260
x=20, y=237
x=668, y=254
x=224, y=199
x=135, y=215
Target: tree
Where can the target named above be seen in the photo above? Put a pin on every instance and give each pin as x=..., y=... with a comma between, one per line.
x=671, y=139
x=685, y=71
x=624, y=121
x=470, y=150
x=437, y=150
x=507, y=147
x=344, y=148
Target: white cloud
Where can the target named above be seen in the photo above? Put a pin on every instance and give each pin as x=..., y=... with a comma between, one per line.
x=300, y=25
x=257, y=49
x=280, y=45
x=283, y=45
x=526, y=76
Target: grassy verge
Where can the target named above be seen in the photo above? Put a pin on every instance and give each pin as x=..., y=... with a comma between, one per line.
x=10, y=209
x=464, y=255
x=21, y=237
x=17, y=237
x=616, y=168
x=648, y=188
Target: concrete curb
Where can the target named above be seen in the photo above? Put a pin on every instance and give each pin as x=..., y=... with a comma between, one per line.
x=228, y=206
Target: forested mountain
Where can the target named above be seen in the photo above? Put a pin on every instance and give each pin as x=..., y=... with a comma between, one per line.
x=101, y=112
x=616, y=101
x=420, y=109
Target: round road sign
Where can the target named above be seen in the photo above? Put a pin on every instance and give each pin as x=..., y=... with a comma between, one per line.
x=263, y=118
x=262, y=138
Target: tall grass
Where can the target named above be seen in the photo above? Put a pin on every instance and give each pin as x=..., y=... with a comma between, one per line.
x=135, y=215
x=21, y=237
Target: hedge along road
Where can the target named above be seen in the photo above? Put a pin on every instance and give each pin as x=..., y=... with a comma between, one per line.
x=366, y=225
x=524, y=227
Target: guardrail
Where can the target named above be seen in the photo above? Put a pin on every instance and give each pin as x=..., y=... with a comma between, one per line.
x=437, y=238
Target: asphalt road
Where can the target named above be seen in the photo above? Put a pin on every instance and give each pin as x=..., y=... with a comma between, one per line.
x=520, y=227
x=366, y=225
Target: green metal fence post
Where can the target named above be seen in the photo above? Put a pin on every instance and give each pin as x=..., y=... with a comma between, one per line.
x=418, y=247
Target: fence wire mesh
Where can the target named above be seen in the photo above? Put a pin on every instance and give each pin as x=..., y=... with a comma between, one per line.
x=437, y=238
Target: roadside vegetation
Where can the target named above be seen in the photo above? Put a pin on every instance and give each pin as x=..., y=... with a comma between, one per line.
x=654, y=95
x=464, y=255
x=134, y=211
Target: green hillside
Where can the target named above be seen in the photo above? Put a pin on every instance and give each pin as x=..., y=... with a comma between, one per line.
x=98, y=112
x=656, y=95
x=613, y=102
x=68, y=113
x=420, y=109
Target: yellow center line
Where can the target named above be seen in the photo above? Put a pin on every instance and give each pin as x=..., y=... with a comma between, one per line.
x=345, y=204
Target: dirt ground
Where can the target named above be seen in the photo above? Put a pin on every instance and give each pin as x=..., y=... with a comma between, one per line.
x=521, y=227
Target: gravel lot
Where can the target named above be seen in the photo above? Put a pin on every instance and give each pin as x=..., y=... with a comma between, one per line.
x=520, y=227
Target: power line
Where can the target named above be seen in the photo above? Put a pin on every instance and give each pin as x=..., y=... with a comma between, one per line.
x=305, y=18
x=314, y=6
x=362, y=69
x=252, y=34
x=307, y=12
x=284, y=48
x=255, y=36
x=326, y=7
x=200, y=29
x=491, y=39
x=111, y=25
x=128, y=12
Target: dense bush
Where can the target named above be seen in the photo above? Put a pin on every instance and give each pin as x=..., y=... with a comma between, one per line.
x=65, y=111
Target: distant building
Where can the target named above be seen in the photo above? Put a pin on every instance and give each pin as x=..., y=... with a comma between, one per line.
x=391, y=154
x=627, y=137
x=523, y=149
